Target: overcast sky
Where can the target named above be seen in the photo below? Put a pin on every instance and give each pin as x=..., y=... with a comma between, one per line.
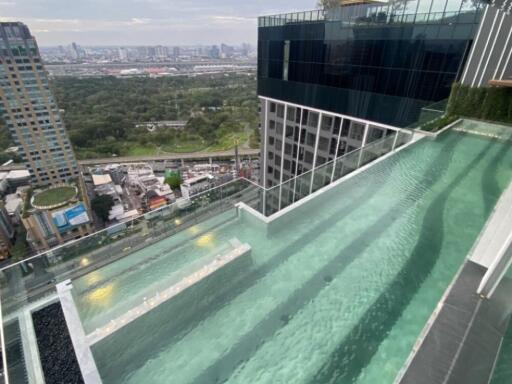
x=144, y=22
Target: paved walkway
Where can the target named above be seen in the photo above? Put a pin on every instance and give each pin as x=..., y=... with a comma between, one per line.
x=461, y=343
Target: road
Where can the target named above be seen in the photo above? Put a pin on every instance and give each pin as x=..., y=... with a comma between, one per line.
x=243, y=153
x=174, y=156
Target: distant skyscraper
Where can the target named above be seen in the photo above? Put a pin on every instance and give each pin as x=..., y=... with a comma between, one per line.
x=123, y=54
x=161, y=52
x=176, y=52
x=29, y=109
x=215, y=52
x=226, y=51
x=76, y=52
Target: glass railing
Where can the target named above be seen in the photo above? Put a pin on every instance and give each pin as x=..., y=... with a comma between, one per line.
x=430, y=113
x=30, y=284
x=26, y=283
x=380, y=19
x=289, y=18
x=301, y=186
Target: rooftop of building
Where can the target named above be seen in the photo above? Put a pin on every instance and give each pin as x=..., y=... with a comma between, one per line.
x=54, y=197
x=356, y=261
x=366, y=13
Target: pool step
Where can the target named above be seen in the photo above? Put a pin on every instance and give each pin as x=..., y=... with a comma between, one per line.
x=160, y=297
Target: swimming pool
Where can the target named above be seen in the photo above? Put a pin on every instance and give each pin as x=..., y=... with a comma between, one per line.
x=337, y=291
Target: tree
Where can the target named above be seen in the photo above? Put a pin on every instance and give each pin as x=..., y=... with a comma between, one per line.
x=174, y=180
x=102, y=205
x=328, y=4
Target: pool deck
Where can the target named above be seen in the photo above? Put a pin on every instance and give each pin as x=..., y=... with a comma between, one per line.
x=461, y=342
x=83, y=353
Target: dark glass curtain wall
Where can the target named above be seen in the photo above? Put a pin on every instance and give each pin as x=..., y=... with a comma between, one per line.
x=370, y=67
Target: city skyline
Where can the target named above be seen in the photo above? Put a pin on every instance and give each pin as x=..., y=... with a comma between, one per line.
x=143, y=22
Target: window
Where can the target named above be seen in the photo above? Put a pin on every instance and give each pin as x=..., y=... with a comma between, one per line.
x=311, y=139
x=313, y=119
x=309, y=157
x=320, y=160
x=289, y=131
x=326, y=123
x=286, y=59
x=323, y=144
x=290, y=114
x=279, y=129
x=280, y=110
x=357, y=131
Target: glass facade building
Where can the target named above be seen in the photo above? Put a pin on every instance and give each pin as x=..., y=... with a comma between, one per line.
x=332, y=81
x=377, y=62
x=29, y=110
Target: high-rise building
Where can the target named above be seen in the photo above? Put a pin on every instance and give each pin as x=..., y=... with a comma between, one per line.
x=214, y=52
x=162, y=52
x=176, y=52
x=491, y=55
x=6, y=232
x=123, y=54
x=331, y=81
x=226, y=50
x=29, y=109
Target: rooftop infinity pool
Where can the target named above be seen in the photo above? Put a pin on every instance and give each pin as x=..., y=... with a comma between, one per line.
x=336, y=290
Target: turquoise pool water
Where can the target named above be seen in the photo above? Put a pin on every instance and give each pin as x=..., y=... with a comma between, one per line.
x=337, y=291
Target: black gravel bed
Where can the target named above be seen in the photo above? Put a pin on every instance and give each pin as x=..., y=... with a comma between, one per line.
x=58, y=357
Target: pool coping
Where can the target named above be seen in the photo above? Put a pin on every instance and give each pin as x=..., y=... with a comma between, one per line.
x=428, y=326
x=442, y=130
x=86, y=362
x=463, y=342
x=416, y=136
x=495, y=219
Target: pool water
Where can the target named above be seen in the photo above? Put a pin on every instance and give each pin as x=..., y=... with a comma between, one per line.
x=337, y=290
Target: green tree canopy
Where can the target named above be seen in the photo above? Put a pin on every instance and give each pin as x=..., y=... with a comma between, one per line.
x=101, y=205
x=173, y=180
x=101, y=114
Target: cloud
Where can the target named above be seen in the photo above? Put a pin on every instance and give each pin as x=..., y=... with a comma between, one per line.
x=231, y=19
x=122, y=22
x=136, y=20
